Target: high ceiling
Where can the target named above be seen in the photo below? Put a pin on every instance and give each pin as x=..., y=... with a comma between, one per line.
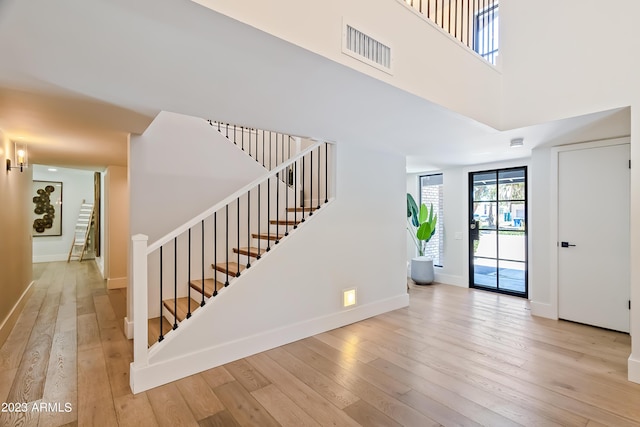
x=76, y=76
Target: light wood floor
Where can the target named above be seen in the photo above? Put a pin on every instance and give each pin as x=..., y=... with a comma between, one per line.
x=454, y=357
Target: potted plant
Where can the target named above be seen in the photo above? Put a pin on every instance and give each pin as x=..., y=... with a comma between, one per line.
x=421, y=225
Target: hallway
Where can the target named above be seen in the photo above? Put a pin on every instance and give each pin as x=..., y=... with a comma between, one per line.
x=454, y=357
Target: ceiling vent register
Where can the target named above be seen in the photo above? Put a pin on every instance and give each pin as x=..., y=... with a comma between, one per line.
x=367, y=49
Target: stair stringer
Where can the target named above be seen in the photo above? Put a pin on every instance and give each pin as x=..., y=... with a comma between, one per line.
x=292, y=296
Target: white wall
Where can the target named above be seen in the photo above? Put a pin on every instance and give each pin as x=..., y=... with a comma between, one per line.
x=426, y=61
x=117, y=237
x=77, y=185
x=178, y=168
x=547, y=75
x=357, y=241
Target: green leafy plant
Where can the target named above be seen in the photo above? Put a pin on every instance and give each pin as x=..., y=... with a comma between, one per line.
x=421, y=223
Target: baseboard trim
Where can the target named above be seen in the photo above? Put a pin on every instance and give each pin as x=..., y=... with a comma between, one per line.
x=449, y=279
x=9, y=322
x=162, y=372
x=545, y=310
x=633, y=369
x=119, y=283
x=50, y=258
x=128, y=328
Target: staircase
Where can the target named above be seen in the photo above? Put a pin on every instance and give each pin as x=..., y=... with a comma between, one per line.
x=199, y=260
x=81, y=234
x=177, y=310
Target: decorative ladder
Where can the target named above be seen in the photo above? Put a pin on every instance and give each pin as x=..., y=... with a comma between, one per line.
x=81, y=234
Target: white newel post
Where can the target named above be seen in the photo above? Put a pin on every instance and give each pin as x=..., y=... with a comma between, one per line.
x=140, y=310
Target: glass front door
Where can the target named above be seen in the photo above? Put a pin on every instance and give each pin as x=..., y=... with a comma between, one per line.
x=498, y=230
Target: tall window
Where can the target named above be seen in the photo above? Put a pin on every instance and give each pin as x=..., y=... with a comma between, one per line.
x=487, y=38
x=431, y=194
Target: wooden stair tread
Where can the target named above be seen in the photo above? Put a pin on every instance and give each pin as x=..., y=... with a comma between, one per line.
x=268, y=236
x=284, y=222
x=252, y=251
x=153, y=329
x=208, y=286
x=234, y=268
x=183, y=307
x=300, y=209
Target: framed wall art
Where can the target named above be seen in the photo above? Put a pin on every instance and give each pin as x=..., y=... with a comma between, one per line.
x=47, y=208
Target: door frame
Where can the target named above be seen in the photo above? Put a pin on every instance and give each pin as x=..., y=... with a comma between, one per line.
x=526, y=233
x=554, y=232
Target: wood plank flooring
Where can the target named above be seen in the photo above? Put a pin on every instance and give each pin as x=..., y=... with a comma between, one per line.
x=453, y=357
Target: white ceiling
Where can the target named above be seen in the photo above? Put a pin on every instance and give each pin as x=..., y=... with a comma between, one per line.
x=84, y=73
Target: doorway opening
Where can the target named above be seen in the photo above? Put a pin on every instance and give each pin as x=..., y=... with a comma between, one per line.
x=498, y=259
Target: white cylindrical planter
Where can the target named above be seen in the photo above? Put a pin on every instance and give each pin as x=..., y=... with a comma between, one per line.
x=422, y=270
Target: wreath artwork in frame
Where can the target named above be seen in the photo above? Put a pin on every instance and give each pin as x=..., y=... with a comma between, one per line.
x=47, y=208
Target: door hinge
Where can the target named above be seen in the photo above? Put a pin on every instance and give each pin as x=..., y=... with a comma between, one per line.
x=629, y=304
x=629, y=163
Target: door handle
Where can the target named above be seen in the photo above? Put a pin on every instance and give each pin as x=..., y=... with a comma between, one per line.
x=565, y=244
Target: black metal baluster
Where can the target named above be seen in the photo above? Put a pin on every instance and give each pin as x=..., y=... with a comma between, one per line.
x=235, y=138
x=189, y=278
x=238, y=240
x=429, y=9
x=469, y=23
x=276, y=150
x=263, y=150
x=484, y=27
x=270, y=149
x=218, y=127
x=311, y=184
x=175, y=283
x=202, y=259
x=435, y=16
x=161, y=337
x=242, y=139
x=249, y=142
x=249, y=229
x=449, y=18
x=277, y=207
x=318, y=177
x=268, y=214
x=258, y=239
x=215, y=256
x=493, y=29
x=455, y=20
x=226, y=283
x=295, y=195
x=286, y=203
x=302, y=195
x=227, y=130
x=326, y=172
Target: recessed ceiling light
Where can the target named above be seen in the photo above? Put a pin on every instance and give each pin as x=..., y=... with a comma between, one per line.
x=517, y=142
x=52, y=170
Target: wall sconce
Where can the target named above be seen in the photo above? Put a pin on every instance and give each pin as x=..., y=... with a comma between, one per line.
x=21, y=158
x=349, y=297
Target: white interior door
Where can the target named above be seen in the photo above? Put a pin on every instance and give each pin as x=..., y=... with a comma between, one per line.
x=593, y=215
